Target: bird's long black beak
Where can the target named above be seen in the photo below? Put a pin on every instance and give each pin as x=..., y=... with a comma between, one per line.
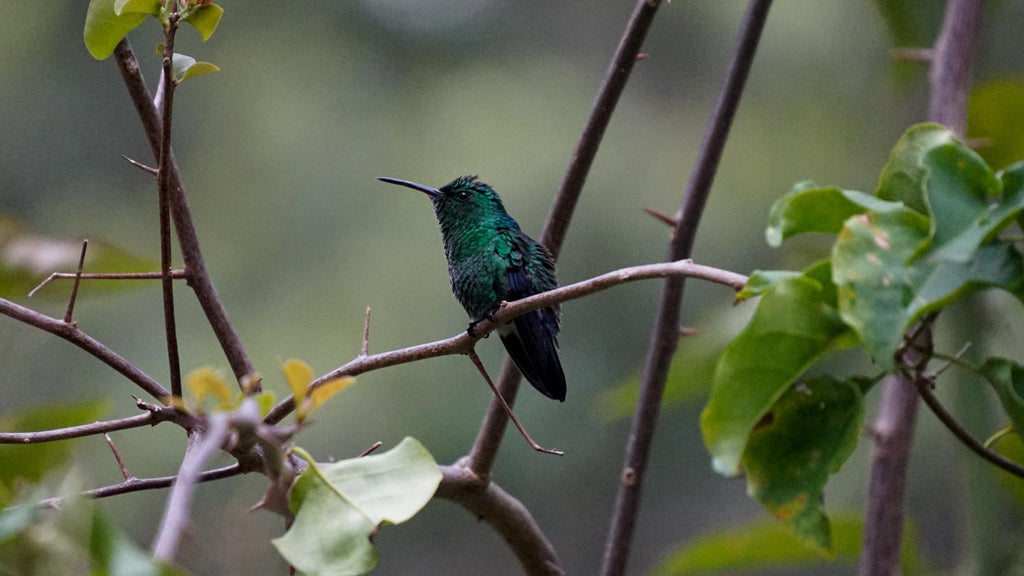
x=425, y=189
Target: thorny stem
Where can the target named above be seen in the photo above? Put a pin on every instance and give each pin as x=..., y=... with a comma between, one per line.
x=141, y=484
x=950, y=74
x=665, y=335
x=151, y=418
x=164, y=194
x=188, y=238
x=488, y=440
x=176, y=274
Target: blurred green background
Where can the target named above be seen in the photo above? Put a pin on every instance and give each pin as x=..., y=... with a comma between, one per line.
x=279, y=152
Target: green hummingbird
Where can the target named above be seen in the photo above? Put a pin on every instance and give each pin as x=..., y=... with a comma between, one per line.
x=490, y=259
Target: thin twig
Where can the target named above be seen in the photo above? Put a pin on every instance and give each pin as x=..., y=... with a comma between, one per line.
x=74, y=287
x=73, y=334
x=508, y=410
x=944, y=416
x=366, y=334
x=141, y=484
x=117, y=456
x=662, y=217
x=508, y=517
x=488, y=439
x=924, y=55
x=161, y=414
x=188, y=238
x=371, y=449
x=665, y=334
x=200, y=448
x=462, y=343
x=176, y=274
x=165, y=201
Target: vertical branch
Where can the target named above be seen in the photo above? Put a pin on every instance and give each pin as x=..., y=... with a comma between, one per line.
x=485, y=448
x=164, y=184
x=197, y=276
x=665, y=335
x=950, y=75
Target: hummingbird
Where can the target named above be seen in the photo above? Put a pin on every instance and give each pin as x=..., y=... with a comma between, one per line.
x=490, y=260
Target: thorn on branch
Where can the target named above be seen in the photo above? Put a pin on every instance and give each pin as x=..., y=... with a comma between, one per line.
x=923, y=55
x=642, y=56
x=366, y=334
x=662, y=216
x=370, y=450
x=74, y=287
x=685, y=331
x=141, y=166
x=117, y=456
x=175, y=274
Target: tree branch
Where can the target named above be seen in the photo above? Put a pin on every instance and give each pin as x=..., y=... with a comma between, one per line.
x=665, y=335
x=201, y=446
x=950, y=74
x=485, y=447
x=462, y=343
x=188, y=239
x=73, y=334
x=506, y=515
x=141, y=484
x=151, y=418
x=176, y=274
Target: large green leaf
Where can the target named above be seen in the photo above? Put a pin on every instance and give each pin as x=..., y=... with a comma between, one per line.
x=104, y=28
x=904, y=177
x=809, y=208
x=1007, y=378
x=764, y=545
x=793, y=326
x=205, y=19
x=338, y=507
x=803, y=439
x=31, y=462
x=996, y=115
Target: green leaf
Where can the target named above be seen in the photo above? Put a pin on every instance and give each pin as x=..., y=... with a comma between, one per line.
x=104, y=29
x=996, y=115
x=808, y=208
x=205, y=19
x=764, y=545
x=1007, y=379
x=338, y=507
x=793, y=327
x=114, y=554
x=31, y=462
x=900, y=21
x=1011, y=446
x=880, y=294
x=904, y=176
x=150, y=7
x=803, y=439
x=185, y=67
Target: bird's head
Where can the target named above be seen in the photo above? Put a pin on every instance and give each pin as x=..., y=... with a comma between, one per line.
x=465, y=200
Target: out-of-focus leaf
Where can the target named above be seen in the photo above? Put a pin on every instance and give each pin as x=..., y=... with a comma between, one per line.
x=1011, y=446
x=206, y=383
x=31, y=462
x=899, y=22
x=185, y=67
x=299, y=375
x=792, y=328
x=328, y=389
x=338, y=507
x=104, y=28
x=802, y=440
x=996, y=115
x=266, y=400
x=114, y=554
x=1007, y=378
x=764, y=545
x=205, y=20
x=26, y=259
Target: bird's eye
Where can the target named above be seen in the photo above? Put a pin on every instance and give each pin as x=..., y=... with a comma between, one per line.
x=463, y=195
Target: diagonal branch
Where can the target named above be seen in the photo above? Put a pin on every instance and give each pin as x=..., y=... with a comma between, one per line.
x=506, y=515
x=73, y=334
x=152, y=418
x=142, y=484
x=485, y=447
x=665, y=335
x=462, y=343
x=188, y=238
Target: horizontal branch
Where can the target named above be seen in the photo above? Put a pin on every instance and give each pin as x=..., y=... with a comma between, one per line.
x=463, y=342
x=176, y=274
x=140, y=484
x=150, y=418
x=73, y=334
x=506, y=515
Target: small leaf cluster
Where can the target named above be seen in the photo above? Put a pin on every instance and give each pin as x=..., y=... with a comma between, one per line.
x=929, y=235
x=107, y=22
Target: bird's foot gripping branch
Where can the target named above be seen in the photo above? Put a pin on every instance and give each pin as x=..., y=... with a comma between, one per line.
x=929, y=235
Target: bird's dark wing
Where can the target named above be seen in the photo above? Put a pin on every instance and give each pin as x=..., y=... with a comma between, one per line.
x=532, y=342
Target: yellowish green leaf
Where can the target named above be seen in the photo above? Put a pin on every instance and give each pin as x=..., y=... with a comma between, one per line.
x=208, y=383
x=324, y=392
